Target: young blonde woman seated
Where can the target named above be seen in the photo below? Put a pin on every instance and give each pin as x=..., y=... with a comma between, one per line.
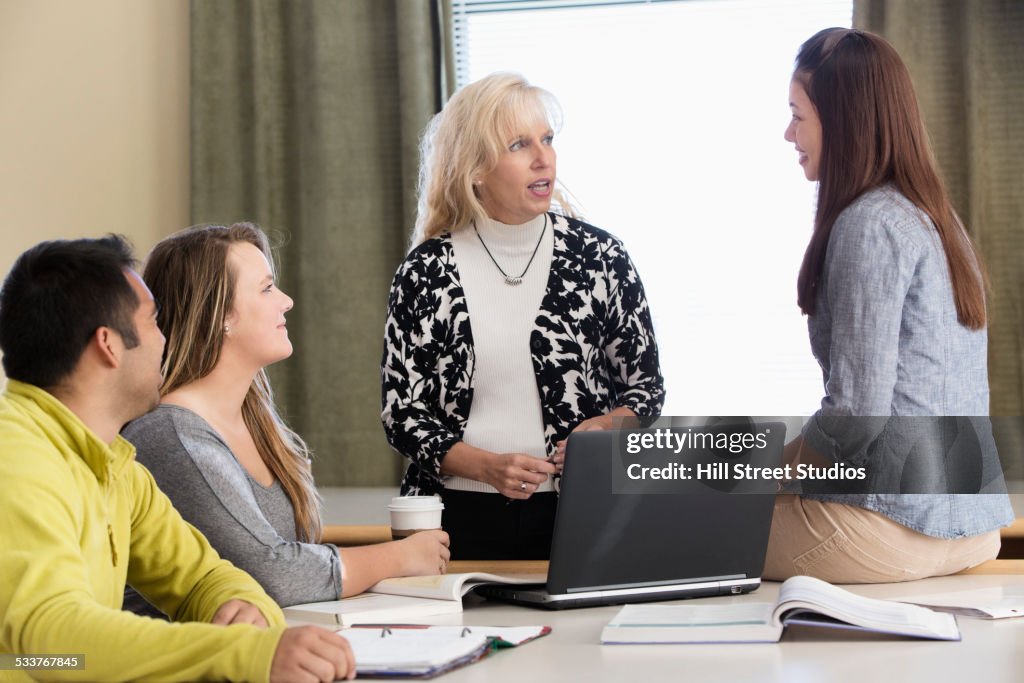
x=216, y=444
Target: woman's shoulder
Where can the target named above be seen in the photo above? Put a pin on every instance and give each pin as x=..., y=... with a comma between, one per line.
x=157, y=423
x=423, y=269
x=582, y=230
x=169, y=429
x=586, y=241
x=430, y=249
x=426, y=259
x=885, y=210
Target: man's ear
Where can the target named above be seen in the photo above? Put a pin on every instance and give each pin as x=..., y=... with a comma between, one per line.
x=108, y=346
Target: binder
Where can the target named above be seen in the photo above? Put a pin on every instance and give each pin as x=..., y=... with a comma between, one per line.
x=427, y=651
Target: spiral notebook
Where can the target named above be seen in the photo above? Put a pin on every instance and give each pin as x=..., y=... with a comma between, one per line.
x=427, y=651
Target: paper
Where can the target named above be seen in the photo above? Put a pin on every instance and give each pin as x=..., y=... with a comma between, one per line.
x=999, y=602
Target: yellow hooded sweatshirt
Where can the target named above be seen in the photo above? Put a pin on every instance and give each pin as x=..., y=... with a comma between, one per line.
x=78, y=519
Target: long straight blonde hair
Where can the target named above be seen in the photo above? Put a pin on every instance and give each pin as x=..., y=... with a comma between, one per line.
x=466, y=139
x=194, y=286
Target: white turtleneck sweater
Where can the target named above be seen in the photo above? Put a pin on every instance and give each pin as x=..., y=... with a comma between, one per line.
x=505, y=416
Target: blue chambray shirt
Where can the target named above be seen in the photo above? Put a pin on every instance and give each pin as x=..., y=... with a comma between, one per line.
x=886, y=335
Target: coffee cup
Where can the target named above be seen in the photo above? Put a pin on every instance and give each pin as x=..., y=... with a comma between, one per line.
x=410, y=514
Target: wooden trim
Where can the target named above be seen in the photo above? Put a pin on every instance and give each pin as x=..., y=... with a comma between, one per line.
x=1015, y=530
x=504, y=567
x=367, y=534
x=356, y=534
x=1013, y=541
x=997, y=567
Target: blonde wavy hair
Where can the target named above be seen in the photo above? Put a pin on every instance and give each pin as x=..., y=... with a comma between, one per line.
x=191, y=280
x=466, y=140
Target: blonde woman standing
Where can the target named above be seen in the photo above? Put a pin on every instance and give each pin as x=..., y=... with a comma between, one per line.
x=509, y=325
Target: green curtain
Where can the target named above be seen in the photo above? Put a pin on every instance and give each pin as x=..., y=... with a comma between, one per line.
x=967, y=61
x=305, y=117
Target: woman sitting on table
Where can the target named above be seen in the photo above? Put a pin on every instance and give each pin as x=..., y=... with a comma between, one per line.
x=895, y=298
x=216, y=444
x=508, y=326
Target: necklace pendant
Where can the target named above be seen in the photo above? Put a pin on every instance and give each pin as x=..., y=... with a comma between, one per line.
x=513, y=280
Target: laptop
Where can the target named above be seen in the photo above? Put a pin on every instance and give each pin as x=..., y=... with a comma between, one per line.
x=622, y=536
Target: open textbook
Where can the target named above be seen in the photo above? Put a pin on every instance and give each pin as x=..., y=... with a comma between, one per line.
x=403, y=600
x=802, y=600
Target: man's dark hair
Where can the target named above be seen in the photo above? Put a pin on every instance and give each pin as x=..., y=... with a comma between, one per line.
x=55, y=297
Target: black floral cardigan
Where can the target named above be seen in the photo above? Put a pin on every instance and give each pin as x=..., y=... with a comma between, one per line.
x=592, y=345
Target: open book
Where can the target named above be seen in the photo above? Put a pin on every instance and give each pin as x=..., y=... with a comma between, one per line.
x=802, y=600
x=403, y=600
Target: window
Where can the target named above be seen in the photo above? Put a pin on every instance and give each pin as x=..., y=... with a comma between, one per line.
x=673, y=116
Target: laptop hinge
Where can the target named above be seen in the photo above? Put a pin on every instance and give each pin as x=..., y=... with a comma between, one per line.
x=657, y=584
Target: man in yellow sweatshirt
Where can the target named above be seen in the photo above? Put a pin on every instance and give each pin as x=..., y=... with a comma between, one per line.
x=79, y=517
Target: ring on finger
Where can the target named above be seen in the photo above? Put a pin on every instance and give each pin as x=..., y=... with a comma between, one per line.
x=522, y=486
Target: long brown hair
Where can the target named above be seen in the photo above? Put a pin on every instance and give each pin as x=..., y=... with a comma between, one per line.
x=191, y=280
x=872, y=134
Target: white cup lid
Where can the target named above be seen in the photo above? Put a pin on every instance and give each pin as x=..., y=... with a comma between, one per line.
x=416, y=503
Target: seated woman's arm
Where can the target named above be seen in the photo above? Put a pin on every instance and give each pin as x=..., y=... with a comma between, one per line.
x=425, y=553
x=211, y=491
x=866, y=320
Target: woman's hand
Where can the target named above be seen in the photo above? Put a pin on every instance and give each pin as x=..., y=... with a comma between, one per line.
x=612, y=420
x=425, y=553
x=515, y=475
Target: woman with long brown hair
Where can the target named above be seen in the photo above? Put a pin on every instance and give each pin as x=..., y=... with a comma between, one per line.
x=218, y=447
x=894, y=292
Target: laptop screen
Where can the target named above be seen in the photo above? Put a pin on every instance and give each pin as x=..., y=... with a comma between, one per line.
x=617, y=529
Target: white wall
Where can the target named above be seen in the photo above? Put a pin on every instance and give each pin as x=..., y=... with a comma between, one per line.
x=93, y=121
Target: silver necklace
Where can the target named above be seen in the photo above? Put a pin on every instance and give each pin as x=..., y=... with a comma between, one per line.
x=513, y=280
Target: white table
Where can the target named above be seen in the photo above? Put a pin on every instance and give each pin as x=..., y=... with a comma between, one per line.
x=991, y=651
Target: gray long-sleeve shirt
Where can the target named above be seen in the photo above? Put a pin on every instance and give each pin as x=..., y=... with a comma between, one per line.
x=251, y=525
x=892, y=354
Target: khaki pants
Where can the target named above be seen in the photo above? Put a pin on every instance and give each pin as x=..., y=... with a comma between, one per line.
x=846, y=544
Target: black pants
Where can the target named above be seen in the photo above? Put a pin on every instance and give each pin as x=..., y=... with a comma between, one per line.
x=489, y=526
